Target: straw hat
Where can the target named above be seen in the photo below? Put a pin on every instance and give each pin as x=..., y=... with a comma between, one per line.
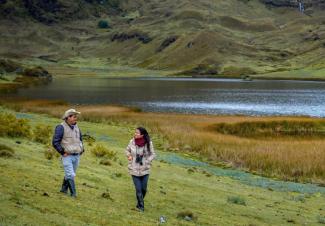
x=69, y=113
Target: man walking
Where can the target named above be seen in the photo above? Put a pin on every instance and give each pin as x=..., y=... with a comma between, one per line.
x=67, y=140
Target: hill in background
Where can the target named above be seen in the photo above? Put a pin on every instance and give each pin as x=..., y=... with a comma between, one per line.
x=234, y=37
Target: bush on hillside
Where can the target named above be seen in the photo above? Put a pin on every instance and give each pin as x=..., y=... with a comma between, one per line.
x=103, y=24
x=99, y=150
x=12, y=127
x=42, y=134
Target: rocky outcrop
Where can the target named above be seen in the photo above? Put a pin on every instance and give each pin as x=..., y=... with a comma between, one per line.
x=167, y=42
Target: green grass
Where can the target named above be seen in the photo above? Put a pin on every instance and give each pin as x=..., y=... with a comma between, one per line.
x=30, y=184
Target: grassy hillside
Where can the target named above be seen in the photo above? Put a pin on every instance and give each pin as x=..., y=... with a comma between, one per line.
x=219, y=38
x=30, y=183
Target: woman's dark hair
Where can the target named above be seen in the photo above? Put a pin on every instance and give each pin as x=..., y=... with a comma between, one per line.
x=146, y=136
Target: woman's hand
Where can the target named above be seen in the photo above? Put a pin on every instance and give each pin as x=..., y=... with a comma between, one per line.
x=130, y=157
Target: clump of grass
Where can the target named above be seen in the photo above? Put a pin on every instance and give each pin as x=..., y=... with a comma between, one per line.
x=100, y=151
x=12, y=127
x=191, y=170
x=187, y=215
x=321, y=219
x=16, y=198
x=105, y=162
x=117, y=175
x=42, y=133
x=236, y=200
x=6, y=151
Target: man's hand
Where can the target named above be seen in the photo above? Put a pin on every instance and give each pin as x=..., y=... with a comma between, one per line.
x=65, y=154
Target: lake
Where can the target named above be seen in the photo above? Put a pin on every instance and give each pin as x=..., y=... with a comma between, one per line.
x=187, y=95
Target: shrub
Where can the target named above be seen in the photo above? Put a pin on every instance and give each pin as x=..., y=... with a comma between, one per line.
x=42, y=134
x=6, y=151
x=99, y=150
x=13, y=127
x=237, y=200
x=103, y=24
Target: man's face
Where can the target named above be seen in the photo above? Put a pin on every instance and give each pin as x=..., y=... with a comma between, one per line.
x=72, y=119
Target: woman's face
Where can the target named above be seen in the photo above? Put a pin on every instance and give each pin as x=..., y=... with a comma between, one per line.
x=137, y=134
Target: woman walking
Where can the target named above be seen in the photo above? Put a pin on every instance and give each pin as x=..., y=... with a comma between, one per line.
x=140, y=153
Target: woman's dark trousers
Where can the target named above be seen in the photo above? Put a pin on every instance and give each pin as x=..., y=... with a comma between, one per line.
x=140, y=184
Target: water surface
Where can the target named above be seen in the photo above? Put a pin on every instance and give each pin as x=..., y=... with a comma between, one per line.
x=186, y=95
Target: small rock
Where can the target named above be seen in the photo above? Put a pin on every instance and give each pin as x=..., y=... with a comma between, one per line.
x=187, y=218
x=46, y=194
x=162, y=220
x=291, y=221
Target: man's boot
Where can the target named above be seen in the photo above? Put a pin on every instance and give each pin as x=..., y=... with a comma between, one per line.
x=65, y=186
x=72, y=188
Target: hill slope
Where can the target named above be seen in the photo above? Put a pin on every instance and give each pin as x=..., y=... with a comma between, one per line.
x=194, y=37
